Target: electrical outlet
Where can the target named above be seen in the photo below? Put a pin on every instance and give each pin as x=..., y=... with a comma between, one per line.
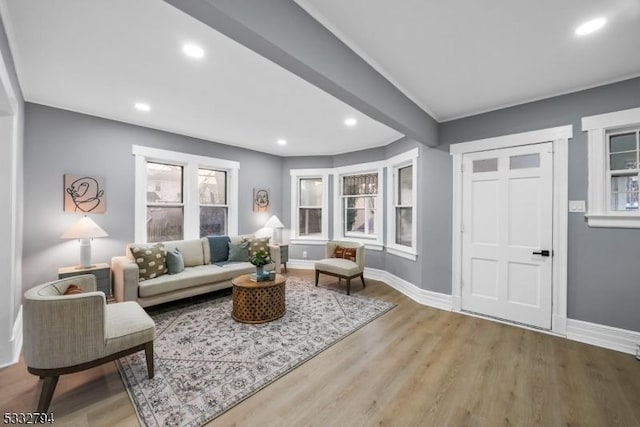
x=304, y=254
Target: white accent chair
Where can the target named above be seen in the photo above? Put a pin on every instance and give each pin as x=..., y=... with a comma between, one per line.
x=342, y=268
x=64, y=334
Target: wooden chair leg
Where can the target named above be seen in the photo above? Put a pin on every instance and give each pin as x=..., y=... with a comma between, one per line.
x=46, y=393
x=148, y=354
x=317, y=275
x=364, y=285
x=285, y=268
x=348, y=285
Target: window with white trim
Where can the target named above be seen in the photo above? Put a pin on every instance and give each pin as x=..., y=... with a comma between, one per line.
x=309, y=206
x=358, y=206
x=402, y=204
x=183, y=196
x=614, y=167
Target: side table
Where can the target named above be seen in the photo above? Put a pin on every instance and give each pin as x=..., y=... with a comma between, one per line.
x=280, y=255
x=101, y=271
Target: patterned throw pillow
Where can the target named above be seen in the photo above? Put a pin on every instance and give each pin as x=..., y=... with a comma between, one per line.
x=151, y=260
x=346, y=253
x=258, y=244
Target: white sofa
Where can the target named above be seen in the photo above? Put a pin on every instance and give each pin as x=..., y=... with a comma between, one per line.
x=198, y=277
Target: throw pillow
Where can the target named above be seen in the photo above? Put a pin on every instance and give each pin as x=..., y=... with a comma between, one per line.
x=175, y=261
x=346, y=253
x=219, y=248
x=258, y=244
x=151, y=260
x=72, y=290
x=238, y=252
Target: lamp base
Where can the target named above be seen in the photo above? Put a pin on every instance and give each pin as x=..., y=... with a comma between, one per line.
x=85, y=254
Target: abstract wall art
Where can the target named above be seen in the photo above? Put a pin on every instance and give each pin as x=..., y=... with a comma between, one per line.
x=84, y=193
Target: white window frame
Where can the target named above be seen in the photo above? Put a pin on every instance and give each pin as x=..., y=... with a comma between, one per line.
x=296, y=175
x=599, y=213
x=409, y=158
x=191, y=201
x=376, y=242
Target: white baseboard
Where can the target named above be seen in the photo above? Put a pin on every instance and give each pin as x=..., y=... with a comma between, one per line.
x=603, y=336
x=16, y=340
x=422, y=296
x=590, y=333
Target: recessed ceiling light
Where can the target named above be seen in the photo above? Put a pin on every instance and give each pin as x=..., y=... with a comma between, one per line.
x=193, y=51
x=141, y=106
x=590, y=26
x=282, y=142
x=351, y=122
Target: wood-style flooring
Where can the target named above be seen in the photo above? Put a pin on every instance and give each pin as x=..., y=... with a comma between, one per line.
x=413, y=366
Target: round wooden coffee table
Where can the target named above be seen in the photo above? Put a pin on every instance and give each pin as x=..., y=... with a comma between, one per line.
x=258, y=302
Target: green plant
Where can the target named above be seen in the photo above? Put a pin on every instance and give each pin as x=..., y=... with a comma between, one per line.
x=260, y=258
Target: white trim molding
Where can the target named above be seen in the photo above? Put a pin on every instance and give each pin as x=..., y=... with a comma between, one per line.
x=560, y=137
x=617, y=339
x=599, y=213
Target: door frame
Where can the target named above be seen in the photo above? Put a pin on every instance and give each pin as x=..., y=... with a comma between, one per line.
x=560, y=137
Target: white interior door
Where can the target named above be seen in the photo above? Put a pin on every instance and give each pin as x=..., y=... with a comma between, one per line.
x=507, y=216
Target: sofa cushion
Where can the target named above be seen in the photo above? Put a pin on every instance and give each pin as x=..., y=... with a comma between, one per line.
x=192, y=251
x=258, y=244
x=193, y=276
x=238, y=252
x=151, y=260
x=72, y=290
x=219, y=248
x=175, y=261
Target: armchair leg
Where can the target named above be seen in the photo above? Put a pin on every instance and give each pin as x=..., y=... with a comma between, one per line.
x=348, y=285
x=317, y=275
x=364, y=285
x=46, y=393
x=148, y=354
x=285, y=268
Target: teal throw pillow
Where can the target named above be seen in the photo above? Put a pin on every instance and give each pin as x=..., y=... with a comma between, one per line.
x=238, y=252
x=219, y=248
x=175, y=261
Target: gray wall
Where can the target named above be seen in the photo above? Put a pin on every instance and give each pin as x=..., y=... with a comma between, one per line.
x=59, y=142
x=603, y=270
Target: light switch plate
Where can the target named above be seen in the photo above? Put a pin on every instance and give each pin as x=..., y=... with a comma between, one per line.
x=577, y=206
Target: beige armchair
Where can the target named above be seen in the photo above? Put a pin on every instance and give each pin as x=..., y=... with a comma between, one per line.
x=64, y=334
x=339, y=267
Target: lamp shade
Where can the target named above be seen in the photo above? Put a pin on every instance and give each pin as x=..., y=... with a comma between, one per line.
x=84, y=229
x=274, y=222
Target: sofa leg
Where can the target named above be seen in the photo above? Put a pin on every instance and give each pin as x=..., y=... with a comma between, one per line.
x=364, y=285
x=348, y=285
x=148, y=354
x=46, y=393
x=317, y=275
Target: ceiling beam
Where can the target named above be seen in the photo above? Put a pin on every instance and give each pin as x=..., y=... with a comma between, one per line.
x=284, y=33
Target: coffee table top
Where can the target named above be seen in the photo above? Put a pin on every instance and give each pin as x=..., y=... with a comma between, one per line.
x=245, y=281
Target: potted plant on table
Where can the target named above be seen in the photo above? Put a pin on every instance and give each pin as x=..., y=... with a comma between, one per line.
x=260, y=259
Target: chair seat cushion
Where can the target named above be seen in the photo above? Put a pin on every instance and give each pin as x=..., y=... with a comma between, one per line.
x=126, y=325
x=343, y=267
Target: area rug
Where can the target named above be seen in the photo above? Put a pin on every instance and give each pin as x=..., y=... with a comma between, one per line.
x=206, y=362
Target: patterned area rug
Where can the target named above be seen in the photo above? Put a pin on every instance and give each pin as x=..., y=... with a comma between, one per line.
x=205, y=362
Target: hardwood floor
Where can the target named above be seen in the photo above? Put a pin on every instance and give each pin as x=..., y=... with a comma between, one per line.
x=413, y=366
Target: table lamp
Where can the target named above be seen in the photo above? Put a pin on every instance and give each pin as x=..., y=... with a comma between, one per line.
x=84, y=230
x=275, y=224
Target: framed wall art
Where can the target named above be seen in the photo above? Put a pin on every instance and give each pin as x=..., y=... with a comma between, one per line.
x=84, y=193
x=260, y=200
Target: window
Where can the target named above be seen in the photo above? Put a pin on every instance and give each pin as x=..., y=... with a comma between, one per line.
x=401, y=206
x=212, y=195
x=358, y=215
x=614, y=166
x=309, y=207
x=183, y=196
x=165, y=203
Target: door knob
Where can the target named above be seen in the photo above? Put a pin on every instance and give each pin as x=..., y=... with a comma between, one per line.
x=543, y=252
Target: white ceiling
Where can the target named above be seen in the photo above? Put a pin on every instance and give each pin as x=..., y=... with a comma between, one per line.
x=462, y=57
x=100, y=57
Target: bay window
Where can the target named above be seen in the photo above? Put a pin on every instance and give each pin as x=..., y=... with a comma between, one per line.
x=309, y=206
